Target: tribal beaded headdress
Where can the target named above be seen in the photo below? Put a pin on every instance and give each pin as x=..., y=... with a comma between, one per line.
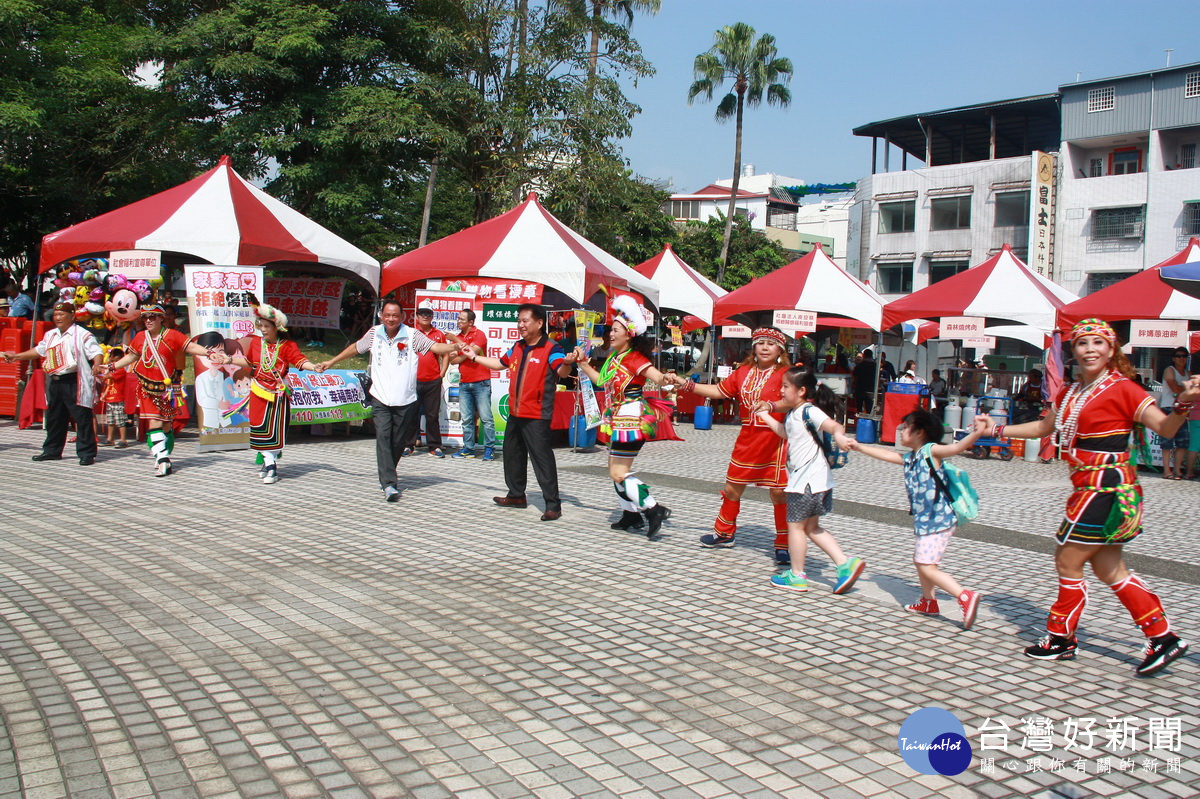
x=153, y=309
x=272, y=314
x=1095, y=327
x=626, y=309
x=768, y=334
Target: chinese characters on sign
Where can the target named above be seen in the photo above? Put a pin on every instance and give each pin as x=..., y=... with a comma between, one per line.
x=492, y=289
x=135, y=264
x=307, y=301
x=961, y=327
x=1041, y=213
x=1158, y=333
x=1094, y=745
x=793, y=322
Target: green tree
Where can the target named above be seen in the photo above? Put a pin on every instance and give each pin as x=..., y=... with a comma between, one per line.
x=79, y=135
x=629, y=223
x=756, y=70
x=750, y=253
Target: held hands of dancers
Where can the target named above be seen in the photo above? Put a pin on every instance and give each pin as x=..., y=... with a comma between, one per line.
x=1185, y=399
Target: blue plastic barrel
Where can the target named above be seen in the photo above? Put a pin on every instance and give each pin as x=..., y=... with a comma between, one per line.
x=864, y=431
x=578, y=434
x=703, y=418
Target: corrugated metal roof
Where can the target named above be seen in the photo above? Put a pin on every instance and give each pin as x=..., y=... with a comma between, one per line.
x=1159, y=71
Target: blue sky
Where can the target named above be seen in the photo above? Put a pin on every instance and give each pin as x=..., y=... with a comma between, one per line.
x=860, y=61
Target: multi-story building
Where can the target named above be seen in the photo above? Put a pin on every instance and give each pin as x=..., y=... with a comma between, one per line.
x=969, y=194
x=766, y=202
x=1129, y=187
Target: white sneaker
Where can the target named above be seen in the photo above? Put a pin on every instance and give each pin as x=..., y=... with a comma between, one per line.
x=270, y=474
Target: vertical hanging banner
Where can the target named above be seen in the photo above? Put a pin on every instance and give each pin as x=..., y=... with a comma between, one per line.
x=307, y=301
x=446, y=307
x=1041, y=214
x=219, y=314
x=585, y=325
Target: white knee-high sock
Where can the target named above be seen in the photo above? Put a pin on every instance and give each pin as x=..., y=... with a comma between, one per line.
x=638, y=493
x=156, y=440
x=268, y=458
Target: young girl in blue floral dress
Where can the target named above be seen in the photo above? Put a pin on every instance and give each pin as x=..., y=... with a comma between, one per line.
x=933, y=518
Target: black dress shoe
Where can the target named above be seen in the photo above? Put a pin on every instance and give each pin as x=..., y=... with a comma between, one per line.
x=87, y=460
x=510, y=502
x=630, y=520
x=656, y=516
x=44, y=457
x=551, y=515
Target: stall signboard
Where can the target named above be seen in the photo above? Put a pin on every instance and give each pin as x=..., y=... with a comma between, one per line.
x=793, y=322
x=446, y=306
x=307, y=301
x=980, y=342
x=327, y=397
x=489, y=289
x=1158, y=333
x=735, y=331
x=961, y=327
x=135, y=264
x=860, y=337
x=218, y=303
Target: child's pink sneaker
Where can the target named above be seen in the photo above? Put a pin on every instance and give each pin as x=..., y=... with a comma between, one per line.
x=924, y=605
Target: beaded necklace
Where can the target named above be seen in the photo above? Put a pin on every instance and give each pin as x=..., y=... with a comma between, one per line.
x=1066, y=423
x=752, y=386
x=611, y=366
x=150, y=348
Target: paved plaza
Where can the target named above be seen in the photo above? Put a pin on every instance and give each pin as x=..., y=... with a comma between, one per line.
x=205, y=635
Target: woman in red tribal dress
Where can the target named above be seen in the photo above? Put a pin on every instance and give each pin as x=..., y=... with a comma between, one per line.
x=1093, y=419
x=630, y=418
x=270, y=396
x=759, y=455
x=158, y=353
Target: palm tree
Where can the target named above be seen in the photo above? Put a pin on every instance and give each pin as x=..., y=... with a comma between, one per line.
x=756, y=69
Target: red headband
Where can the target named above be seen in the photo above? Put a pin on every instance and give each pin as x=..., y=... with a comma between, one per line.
x=768, y=334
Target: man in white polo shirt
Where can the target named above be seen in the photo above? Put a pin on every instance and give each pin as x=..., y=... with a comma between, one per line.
x=68, y=353
x=395, y=350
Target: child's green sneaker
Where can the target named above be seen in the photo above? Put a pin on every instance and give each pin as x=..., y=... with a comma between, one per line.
x=848, y=573
x=789, y=579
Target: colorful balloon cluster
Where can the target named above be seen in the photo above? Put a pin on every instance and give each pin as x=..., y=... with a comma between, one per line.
x=102, y=298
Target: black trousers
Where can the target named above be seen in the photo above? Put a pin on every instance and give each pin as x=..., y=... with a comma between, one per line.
x=393, y=427
x=526, y=440
x=429, y=400
x=60, y=406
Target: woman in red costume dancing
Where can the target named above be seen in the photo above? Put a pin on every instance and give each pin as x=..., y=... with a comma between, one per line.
x=1092, y=420
x=158, y=353
x=759, y=456
x=630, y=418
x=270, y=357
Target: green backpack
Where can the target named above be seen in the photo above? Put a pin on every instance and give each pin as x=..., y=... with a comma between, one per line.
x=957, y=489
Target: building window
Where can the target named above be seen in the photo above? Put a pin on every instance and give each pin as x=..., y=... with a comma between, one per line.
x=1102, y=99
x=940, y=270
x=1191, y=219
x=684, y=209
x=1012, y=209
x=1191, y=85
x=895, y=278
x=950, y=213
x=898, y=217
x=1096, y=168
x=1118, y=223
x=1187, y=156
x=1126, y=161
x=1102, y=280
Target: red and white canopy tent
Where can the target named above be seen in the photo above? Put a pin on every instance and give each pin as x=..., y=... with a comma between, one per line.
x=682, y=288
x=1141, y=296
x=1002, y=288
x=811, y=283
x=217, y=218
x=526, y=243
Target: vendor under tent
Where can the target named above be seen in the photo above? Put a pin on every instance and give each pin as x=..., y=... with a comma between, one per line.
x=527, y=243
x=1144, y=295
x=216, y=218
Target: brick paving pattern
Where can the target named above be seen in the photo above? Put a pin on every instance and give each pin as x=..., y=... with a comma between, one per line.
x=205, y=635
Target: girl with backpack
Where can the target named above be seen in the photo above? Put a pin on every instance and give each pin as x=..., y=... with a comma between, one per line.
x=809, y=489
x=933, y=515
